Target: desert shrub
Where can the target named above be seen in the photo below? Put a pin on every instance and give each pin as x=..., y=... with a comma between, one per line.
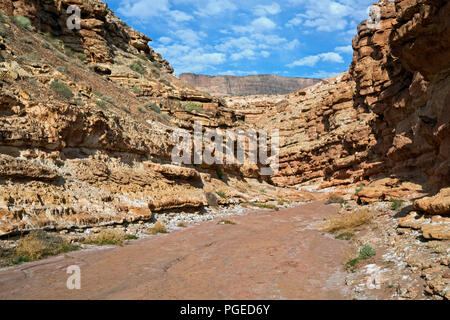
x=154, y=107
x=142, y=56
x=101, y=104
x=221, y=194
x=157, y=64
x=78, y=102
x=61, y=88
x=39, y=244
x=365, y=253
x=108, y=99
x=359, y=189
x=335, y=199
x=396, y=204
x=107, y=237
x=264, y=206
x=22, y=22
x=345, y=221
x=165, y=117
x=63, y=69
x=345, y=236
x=166, y=82
x=80, y=56
x=219, y=173
x=126, y=109
x=226, y=221
x=192, y=107
x=137, y=66
x=2, y=17
x=159, y=227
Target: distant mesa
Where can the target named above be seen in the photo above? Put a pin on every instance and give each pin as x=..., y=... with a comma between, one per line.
x=227, y=86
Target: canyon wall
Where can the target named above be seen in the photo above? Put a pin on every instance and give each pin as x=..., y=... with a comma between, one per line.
x=225, y=86
x=87, y=117
x=387, y=117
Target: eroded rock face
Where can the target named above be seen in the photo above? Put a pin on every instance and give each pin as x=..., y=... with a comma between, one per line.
x=402, y=76
x=387, y=117
x=223, y=86
x=437, y=205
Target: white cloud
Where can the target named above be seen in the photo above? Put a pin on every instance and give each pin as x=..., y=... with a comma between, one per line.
x=180, y=16
x=215, y=7
x=185, y=58
x=246, y=54
x=189, y=36
x=292, y=45
x=344, y=49
x=263, y=24
x=329, y=15
x=272, y=9
x=165, y=40
x=311, y=61
x=143, y=9
x=295, y=22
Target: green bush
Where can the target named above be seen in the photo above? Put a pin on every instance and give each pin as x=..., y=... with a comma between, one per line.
x=157, y=64
x=108, y=99
x=2, y=17
x=142, y=56
x=61, y=89
x=359, y=189
x=365, y=253
x=167, y=83
x=138, y=67
x=219, y=173
x=80, y=56
x=154, y=107
x=396, y=204
x=22, y=22
x=192, y=107
x=63, y=69
x=221, y=194
x=101, y=104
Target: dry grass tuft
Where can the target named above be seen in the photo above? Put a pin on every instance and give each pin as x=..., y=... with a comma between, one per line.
x=226, y=221
x=39, y=244
x=347, y=221
x=261, y=205
x=159, y=227
x=107, y=237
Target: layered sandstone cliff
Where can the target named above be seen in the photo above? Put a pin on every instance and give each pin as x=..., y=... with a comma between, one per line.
x=86, y=123
x=387, y=117
x=86, y=120
x=223, y=86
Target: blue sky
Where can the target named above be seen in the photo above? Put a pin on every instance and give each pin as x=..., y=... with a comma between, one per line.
x=298, y=38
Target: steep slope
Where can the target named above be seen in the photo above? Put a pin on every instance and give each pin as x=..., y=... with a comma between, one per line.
x=86, y=123
x=223, y=86
x=387, y=117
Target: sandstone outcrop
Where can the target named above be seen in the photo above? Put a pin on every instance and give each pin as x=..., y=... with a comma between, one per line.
x=386, y=118
x=437, y=205
x=87, y=116
x=225, y=86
